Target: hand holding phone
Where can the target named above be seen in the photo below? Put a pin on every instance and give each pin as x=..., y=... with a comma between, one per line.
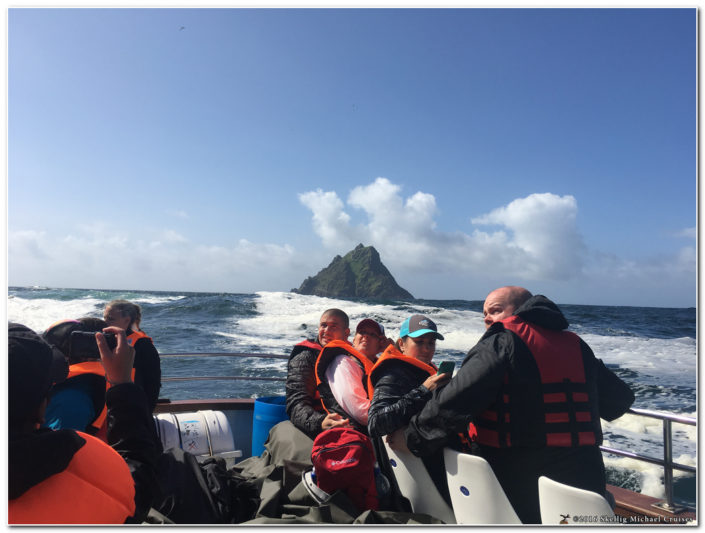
x=83, y=345
x=446, y=367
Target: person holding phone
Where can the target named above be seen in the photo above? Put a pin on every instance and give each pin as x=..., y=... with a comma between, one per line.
x=400, y=384
x=404, y=376
x=78, y=402
x=52, y=475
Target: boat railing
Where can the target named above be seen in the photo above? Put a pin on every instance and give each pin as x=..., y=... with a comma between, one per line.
x=668, y=419
x=667, y=461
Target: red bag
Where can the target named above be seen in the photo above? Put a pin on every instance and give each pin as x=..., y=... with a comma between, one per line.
x=344, y=459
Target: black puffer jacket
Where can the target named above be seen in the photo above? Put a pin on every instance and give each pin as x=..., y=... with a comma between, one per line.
x=398, y=395
x=302, y=406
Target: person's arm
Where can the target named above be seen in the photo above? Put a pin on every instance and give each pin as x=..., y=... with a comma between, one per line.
x=148, y=371
x=393, y=404
x=469, y=392
x=345, y=380
x=300, y=393
x=614, y=395
x=131, y=429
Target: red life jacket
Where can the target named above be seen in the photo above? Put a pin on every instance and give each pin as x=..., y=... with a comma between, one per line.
x=329, y=352
x=95, y=488
x=556, y=411
x=309, y=345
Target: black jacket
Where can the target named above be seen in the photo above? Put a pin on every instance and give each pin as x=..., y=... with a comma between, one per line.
x=301, y=391
x=34, y=457
x=501, y=354
x=148, y=371
x=398, y=395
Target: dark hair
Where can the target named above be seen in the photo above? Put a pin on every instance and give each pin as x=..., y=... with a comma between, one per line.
x=126, y=308
x=59, y=334
x=342, y=315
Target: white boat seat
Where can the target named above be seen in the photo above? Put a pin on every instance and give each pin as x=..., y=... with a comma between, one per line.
x=560, y=503
x=477, y=496
x=416, y=485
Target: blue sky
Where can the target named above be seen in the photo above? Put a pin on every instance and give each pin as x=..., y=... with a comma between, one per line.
x=239, y=150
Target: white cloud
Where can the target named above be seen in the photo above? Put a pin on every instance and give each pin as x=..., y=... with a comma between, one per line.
x=330, y=222
x=177, y=213
x=533, y=240
x=99, y=256
x=539, y=238
x=687, y=233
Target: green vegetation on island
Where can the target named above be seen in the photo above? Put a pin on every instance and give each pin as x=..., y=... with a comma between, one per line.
x=360, y=274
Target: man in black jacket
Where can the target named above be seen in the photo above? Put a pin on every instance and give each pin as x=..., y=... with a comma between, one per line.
x=536, y=394
x=303, y=403
x=67, y=477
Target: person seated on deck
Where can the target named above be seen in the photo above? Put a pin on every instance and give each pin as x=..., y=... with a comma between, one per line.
x=303, y=403
x=148, y=373
x=535, y=393
x=78, y=402
x=342, y=370
x=66, y=476
x=401, y=383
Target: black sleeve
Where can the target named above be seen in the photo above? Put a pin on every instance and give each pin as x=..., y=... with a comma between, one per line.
x=614, y=395
x=393, y=404
x=132, y=433
x=148, y=371
x=469, y=392
x=301, y=392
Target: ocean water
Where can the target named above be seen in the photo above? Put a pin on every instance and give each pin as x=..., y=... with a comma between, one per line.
x=652, y=349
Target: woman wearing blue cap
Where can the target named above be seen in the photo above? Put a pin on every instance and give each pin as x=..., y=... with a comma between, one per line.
x=404, y=376
x=401, y=383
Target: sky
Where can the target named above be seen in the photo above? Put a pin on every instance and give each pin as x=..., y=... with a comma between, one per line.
x=240, y=150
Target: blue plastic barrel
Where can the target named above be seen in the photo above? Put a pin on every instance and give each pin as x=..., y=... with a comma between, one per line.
x=269, y=411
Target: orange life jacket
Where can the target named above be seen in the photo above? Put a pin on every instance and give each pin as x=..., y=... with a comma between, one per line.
x=392, y=353
x=329, y=352
x=133, y=337
x=314, y=346
x=95, y=488
x=561, y=414
x=100, y=424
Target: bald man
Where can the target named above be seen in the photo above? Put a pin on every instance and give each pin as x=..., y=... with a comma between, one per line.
x=536, y=394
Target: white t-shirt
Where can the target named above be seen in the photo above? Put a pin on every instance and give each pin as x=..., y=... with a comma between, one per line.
x=344, y=377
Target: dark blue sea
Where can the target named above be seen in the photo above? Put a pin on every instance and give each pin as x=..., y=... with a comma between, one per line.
x=652, y=349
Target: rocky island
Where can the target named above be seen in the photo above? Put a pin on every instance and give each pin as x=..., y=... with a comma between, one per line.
x=360, y=274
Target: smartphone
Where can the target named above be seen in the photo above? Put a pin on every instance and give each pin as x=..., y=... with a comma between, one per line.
x=446, y=367
x=82, y=344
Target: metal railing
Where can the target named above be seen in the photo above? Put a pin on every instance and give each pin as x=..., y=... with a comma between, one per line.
x=667, y=462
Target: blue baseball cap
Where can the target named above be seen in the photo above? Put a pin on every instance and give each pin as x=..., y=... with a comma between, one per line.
x=417, y=325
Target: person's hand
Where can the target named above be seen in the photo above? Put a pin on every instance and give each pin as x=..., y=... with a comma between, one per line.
x=397, y=441
x=334, y=420
x=434, y=381
x=117, y=363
